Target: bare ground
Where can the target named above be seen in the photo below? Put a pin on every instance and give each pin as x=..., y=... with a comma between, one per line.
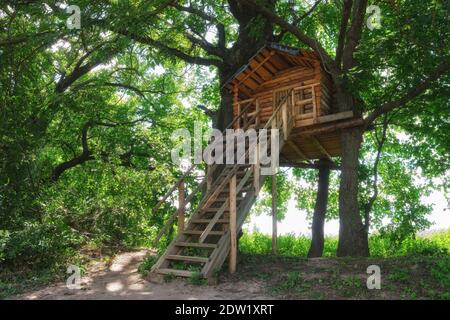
x=121, y=280
x=263, y=277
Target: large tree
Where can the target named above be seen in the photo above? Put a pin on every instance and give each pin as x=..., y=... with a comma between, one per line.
x=407, y=81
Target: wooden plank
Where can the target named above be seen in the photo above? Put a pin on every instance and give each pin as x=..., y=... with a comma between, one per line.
x=175, y=272
x=187, y=258
x=196, y=245
x=321, y=148
x=233, y=231
x=213, y=221
x=256, y=168
x=203, y=221
x=256, y=68
x=284, y=116
x=199, y=232
x=327, y=118
x=258, y=112
x=181, y=206
x=315, y=111
x=297, y=150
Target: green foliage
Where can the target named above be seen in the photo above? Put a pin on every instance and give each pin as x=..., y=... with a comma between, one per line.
x=169, y=277
x=147, y=264
x=441, y=272
x=196, y=279
x=380, y=245
x=39, y=245
x=284, y=191
x=292, y=279
x=399, y=275
x=288, y=245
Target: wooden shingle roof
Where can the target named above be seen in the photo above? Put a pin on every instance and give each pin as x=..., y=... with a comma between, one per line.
x=270, y=60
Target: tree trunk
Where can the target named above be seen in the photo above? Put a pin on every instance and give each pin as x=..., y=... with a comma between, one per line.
x=320, y=209
x=353, y=240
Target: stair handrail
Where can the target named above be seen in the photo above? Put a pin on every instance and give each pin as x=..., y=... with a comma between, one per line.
x=232, y=172
x=180, y=180
x=193, y=166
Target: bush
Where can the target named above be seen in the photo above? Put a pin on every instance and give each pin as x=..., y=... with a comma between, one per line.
x=147, y=264
x=39, y=245
x=441, y=272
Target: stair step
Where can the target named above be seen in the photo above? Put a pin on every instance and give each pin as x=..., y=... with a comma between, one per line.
x=208, y=221
x=246, y=188
x=187, y=258
x=196, y=245
x=212, y=210
x=175, y=272
x=226, y=198
x=212, y=233
x=240, y=172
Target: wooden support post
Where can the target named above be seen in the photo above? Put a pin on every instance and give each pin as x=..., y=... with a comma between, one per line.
x=181, y=206
x=233, y=222
x=258, y=111
x=236, y=102
x=319, y=146
x=257, y=169
x=209, y=178
x=285, y=120
x=314, y=104
x=274, y=214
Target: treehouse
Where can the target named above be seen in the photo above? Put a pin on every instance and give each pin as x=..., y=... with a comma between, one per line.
x=279, y=88
x=278, y=75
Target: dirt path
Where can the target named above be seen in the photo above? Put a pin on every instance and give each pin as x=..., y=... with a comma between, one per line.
x=121, y=280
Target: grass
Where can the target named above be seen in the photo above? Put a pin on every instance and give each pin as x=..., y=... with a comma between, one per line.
x=423, y=277
x=147, y=264
x=196, y=279
x=412, y=269
x=380, y=246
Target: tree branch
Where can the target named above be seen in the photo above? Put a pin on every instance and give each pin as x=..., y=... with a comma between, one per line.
x=442, y=69
x=354, y=34
x=312, y=43
x=86, y=154
x=343, y=30
x=368, y=206
x=279, y=37
x=172, y=51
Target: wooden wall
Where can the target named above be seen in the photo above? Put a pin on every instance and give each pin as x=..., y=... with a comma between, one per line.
x=295, y=77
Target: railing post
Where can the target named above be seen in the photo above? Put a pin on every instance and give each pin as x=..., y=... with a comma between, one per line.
x=257, y=120
x=285, y=120
x=209, y=177
x=233, y=226
x=256, y=168
x=181, y=206
x=313, y=95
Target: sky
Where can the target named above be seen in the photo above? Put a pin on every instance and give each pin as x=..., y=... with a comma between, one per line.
x=295, y=221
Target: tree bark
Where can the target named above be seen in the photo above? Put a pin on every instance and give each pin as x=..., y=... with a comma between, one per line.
x=353, y=240
x=320, y=209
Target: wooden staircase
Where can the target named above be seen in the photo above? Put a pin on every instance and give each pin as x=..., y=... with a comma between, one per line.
x=205, y=242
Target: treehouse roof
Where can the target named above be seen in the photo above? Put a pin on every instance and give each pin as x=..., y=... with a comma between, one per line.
x=268, y=62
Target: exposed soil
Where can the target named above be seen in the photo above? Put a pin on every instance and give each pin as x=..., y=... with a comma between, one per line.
x=121, y=280
x=260, y=277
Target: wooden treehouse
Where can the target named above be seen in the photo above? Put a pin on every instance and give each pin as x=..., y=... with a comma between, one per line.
x=280, y=88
